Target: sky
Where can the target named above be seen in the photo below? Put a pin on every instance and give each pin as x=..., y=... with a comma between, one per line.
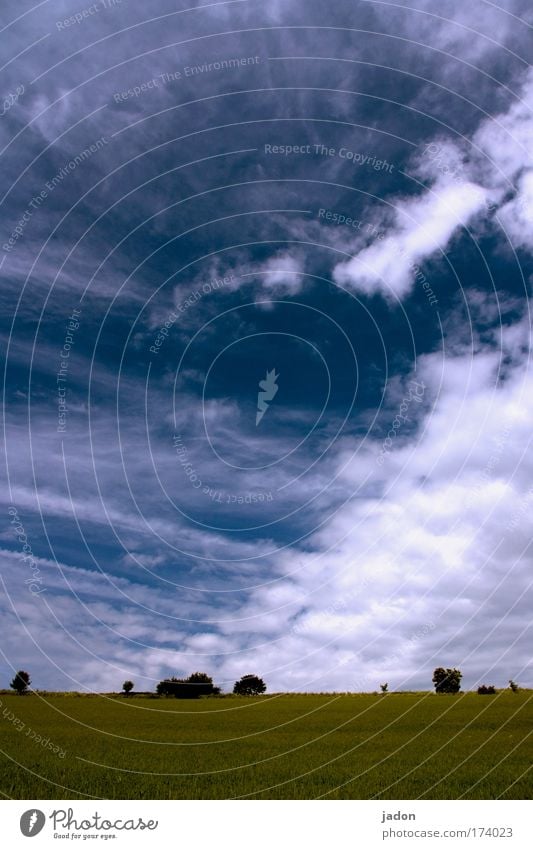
x=265, y=325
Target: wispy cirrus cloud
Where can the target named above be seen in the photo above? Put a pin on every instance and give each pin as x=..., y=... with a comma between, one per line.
x=349, y=570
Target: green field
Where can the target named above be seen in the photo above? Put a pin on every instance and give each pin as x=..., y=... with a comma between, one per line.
x=361, y=746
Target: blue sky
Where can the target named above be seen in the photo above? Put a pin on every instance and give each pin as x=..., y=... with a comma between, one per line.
x=194, y=197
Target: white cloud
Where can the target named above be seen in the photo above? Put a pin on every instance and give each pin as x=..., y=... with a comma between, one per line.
x=432, y=572
x=84, y=630
x=392, y=580
x=507, y=139
x=516, y=216
x=282, y=273
x=423, y=226
x=466, y=182
x=431, y=569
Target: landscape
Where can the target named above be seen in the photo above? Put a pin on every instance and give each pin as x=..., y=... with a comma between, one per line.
x=437, y=745
x=266, y=338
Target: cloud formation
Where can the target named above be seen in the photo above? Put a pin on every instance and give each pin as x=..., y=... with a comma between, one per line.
x=376, y=524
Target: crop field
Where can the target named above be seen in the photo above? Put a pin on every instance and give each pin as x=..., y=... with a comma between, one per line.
x=361, y=746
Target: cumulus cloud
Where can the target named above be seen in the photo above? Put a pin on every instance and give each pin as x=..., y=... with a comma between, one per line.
x=468, y=181
x=506, y=139
x=282, y=273
x=437, y=566
x=424, y=226
x=516, y=216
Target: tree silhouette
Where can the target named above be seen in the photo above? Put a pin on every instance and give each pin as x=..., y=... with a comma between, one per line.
x=447, y=680
x=485, y=690
x=249, y=685
x=21, y=682
x=128, y=687
x=197, y=684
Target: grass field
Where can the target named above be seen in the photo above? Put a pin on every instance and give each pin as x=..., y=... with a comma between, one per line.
x=397, y=746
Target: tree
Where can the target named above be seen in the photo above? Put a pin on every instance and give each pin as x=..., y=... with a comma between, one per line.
x=447, y=680
x=199, y=678
x=172, y=687
x=201, y=684
x=21, y=682
x=167, y=687
x=196, y=685
x=384, y=688
x=249, y=685
x=128, y=687
x=513, y=686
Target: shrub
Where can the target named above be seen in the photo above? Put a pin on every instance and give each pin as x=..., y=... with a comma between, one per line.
x=485, y=690
x=128, y=687
x=384, y=688
x=513, y=686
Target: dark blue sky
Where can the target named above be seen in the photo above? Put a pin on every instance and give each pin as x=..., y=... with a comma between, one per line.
x=194, y=197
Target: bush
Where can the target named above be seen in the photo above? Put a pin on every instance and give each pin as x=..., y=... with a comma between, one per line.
x=384, y=688
x=128, y=687
x=21, y=682
x=486, y=691
x=249, y=685
x=513, y=686
x=196, y=685
x=447, y=680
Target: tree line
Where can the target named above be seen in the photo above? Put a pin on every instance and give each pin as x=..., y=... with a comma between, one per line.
x=449, y=681
x=196, y=685
x=201, y=684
